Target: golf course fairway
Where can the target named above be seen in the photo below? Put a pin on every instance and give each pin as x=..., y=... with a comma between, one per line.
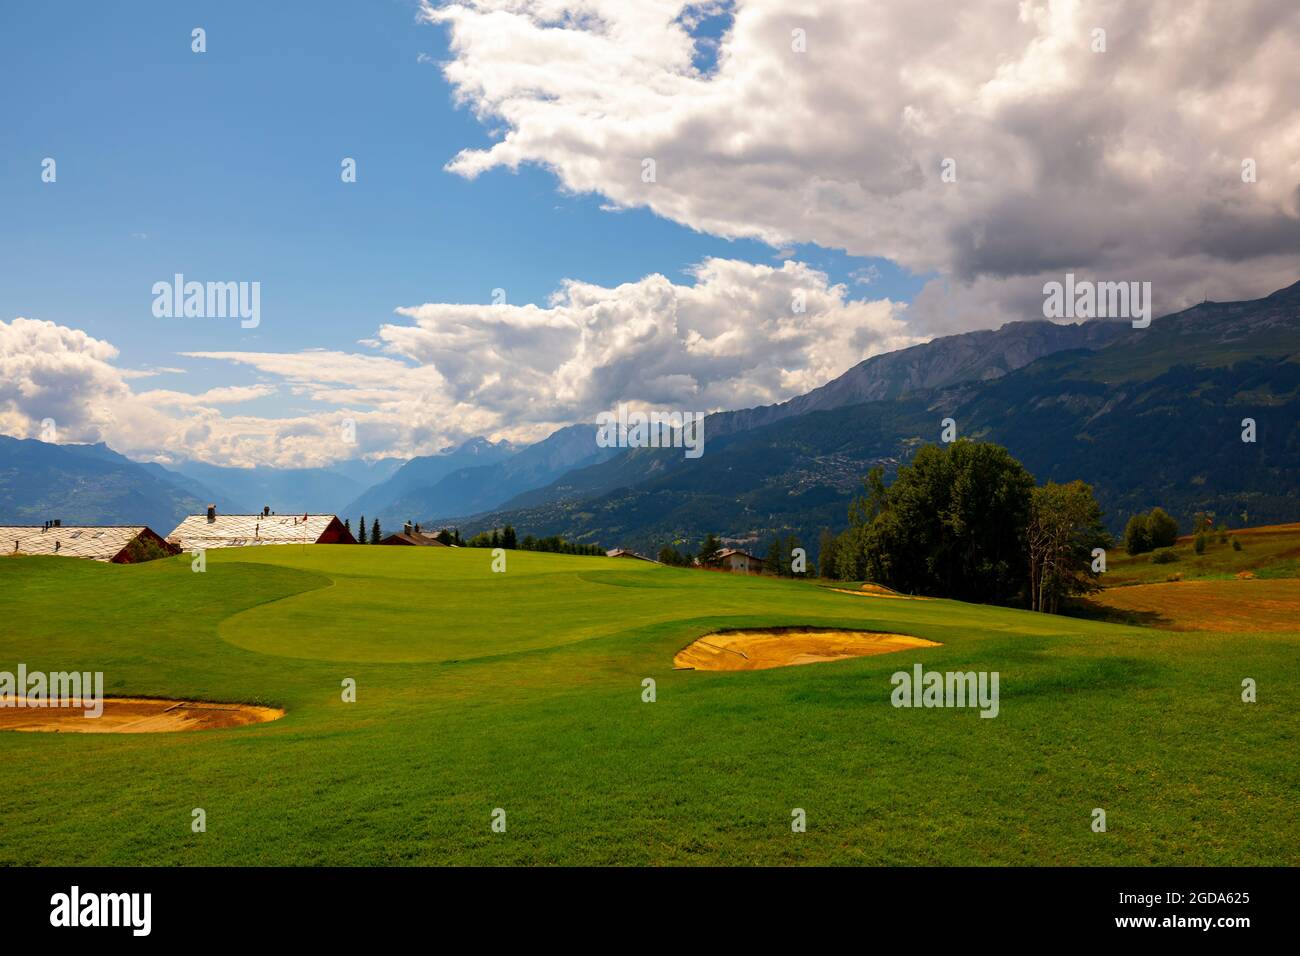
x=530, y=691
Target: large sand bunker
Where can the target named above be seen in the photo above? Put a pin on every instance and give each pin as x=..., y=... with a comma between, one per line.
x=136, y=715
x=759, y=649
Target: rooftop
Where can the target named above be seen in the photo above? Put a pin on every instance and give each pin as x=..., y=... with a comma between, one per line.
x=97, y=542
x=229, y=531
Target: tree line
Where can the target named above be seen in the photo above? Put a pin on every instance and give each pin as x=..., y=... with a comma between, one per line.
x=967, y=521
x=506, y=538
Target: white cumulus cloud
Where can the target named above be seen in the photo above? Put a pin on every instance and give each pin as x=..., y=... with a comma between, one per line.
x=737, y=334
x=1122, y=164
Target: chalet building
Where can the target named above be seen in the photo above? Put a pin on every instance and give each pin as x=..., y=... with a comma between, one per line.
x=624, y=553
x=741, y=562
x=238, y=531
x=420, y=539
x=118, y=544
x=411, y=535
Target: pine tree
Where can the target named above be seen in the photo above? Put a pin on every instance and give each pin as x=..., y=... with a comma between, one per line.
x=361, y=531
x=375, y=535
x=709, y=549
x=509, y=540
x=787, y=555
x=826, y=554
x=772, y=561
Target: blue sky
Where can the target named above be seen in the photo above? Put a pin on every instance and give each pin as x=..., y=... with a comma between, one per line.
x=798, y=151
x=226, y=165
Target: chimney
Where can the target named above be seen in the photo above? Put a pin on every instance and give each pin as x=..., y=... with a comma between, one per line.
x=266, y=511
x=212, y=513
x=408, y=528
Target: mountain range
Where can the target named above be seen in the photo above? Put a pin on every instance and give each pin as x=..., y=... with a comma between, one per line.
x=1149, y=416
x=92, y=484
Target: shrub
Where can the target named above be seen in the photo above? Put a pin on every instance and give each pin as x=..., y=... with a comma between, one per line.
x=1162, y=530
x=1137, y=536
x=1164, y=556
x=145, y=549
x=1200, y=543
x=1236, y=545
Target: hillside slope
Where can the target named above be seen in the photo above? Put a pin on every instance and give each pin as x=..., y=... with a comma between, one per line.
x=382, y=500
x=89, y=484
x=283, y=490
x=983, y=355
x=470, y=490
x=1152, y=417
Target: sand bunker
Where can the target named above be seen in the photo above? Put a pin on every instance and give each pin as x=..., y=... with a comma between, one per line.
x=878, y=590
x=137, y=715
x=759, y=649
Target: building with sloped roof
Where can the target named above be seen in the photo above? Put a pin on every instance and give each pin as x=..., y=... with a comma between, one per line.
x=733, y=559
x=418, y=538
x=239, y=531
x=624, y=553
x=118, y=544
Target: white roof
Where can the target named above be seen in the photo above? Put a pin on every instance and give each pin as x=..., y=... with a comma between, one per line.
x=237, y=531
x=99, y=543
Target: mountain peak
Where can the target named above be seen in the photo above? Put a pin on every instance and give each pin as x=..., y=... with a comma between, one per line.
x=1287, y=294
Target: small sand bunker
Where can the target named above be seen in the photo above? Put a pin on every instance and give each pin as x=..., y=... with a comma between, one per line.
x=136, y=715
x=755, y=650
x=878, y=590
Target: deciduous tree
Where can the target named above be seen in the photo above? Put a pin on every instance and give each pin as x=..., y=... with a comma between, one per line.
x=1064, y=527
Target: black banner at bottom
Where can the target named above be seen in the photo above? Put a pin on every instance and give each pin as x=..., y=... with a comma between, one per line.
x=335, y=905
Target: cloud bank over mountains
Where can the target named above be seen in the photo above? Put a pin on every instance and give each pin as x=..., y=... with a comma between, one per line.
x=447, y=372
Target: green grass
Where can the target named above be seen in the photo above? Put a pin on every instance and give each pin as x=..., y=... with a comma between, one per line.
x=523, y=691
x=1268, y=552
